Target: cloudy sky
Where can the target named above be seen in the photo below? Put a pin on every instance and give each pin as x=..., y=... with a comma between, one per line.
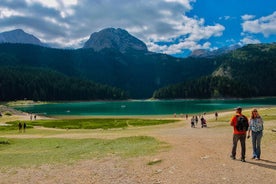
x=174, y=27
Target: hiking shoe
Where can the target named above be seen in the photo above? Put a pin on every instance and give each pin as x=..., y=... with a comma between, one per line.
x=232, y=157
x=243, y=160
x=257, y=158
x=253, y=157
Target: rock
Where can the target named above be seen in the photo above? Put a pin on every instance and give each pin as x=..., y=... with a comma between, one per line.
x=117, y=39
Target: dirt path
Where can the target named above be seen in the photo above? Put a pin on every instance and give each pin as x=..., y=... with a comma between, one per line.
x=197, y=155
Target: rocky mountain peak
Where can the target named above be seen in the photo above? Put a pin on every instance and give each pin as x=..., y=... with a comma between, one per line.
x=118, y=39
x=19, y=36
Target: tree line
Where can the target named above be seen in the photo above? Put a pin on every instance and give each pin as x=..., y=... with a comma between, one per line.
x=205, y=87
x=17, y=83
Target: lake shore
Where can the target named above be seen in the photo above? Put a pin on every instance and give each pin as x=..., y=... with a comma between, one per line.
x=138, y=108
x=19, y=115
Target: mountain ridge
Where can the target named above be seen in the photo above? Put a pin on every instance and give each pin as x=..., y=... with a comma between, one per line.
x=140, y=72
x=205, y=53
x=108, y=38
x=19, y=36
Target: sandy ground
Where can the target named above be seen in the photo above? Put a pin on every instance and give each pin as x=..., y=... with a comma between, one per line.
x=197, y=155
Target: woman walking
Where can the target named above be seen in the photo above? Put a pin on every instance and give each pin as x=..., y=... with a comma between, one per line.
x=256, y=131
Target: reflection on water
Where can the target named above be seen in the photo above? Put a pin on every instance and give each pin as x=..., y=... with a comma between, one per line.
x=144, y=107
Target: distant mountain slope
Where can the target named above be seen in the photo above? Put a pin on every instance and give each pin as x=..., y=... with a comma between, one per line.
x=19, y=36
x=204, y=53
x=117, y=39
x=246, y=72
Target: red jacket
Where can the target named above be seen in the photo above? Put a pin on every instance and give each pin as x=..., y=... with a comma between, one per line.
x=234, y=123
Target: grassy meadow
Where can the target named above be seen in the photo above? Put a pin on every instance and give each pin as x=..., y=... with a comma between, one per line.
x=92, y=123
x=38, y=151
x=24, y=151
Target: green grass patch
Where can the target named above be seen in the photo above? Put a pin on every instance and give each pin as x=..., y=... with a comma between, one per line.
x=268, y=114
x=93, y=123
x=34, y=152
x=8, y=127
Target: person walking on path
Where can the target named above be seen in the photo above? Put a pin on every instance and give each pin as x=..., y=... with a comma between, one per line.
x=193, y=122
x=240, y=126
x=20, y=127
x=216, y=115
x=256, y=131
x=24, y=127
x=196, y=120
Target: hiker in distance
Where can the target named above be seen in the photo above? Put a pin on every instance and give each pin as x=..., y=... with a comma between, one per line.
x=240, y=127
x=256, y=132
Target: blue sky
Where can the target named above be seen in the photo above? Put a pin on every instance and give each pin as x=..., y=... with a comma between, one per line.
x=174, y=27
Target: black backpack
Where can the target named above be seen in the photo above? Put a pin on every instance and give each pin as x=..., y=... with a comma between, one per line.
x=242, y=123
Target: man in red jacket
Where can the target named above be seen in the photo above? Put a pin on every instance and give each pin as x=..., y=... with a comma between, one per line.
x=238, y=134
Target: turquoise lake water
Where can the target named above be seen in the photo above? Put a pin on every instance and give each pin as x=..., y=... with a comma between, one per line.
x=143, y=107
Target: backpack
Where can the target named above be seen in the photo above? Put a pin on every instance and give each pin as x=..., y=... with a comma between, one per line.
x=242, y=123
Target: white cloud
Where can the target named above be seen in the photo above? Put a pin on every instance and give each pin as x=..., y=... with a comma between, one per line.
x=226, y=18
x=54, y=3
x=6, y=12
x=193, y=29
x=185, y=3
x=264, y=25
x=249, y=40
x=63, y=6
x=247, y=17
x=70, y=22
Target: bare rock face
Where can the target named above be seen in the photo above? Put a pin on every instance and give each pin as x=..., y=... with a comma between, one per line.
x=19, y=36
x=118, y=39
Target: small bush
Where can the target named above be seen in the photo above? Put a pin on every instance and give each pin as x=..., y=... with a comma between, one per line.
x=8, y=113
x=4, y=142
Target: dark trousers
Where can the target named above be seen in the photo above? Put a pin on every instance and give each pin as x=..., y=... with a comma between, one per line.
x=241, y=138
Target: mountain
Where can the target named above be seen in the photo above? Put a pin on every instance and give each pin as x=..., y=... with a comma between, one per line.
x=117, y=39
x=204, y=53
x=19, y=36
x=249, y=71
x=115, y=58
x=138, y=73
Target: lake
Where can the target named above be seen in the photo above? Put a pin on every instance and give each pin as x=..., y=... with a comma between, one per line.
x=143, y=107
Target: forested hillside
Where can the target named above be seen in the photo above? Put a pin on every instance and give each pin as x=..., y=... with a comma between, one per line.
x=18, y=83
x=35, y=72
x=246, y=72
x=205, y=87
x=139, y=73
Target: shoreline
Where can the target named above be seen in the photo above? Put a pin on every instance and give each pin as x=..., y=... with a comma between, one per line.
x=20, y=115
